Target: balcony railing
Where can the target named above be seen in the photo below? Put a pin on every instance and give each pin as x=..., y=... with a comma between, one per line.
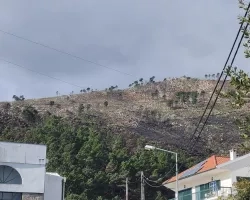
x=208, y=194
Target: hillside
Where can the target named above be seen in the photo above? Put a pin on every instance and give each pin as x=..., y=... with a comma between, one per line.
x=164, y=112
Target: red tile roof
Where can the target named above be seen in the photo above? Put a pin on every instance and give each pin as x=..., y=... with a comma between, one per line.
x=209, y=164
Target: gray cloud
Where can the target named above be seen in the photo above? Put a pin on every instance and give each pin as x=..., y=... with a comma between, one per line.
x=142, y=38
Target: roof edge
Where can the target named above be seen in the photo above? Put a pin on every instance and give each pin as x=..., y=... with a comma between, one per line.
x=214, y=157
x=190, y=176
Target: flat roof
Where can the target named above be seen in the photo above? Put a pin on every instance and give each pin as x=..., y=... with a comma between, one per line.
x=22, y=143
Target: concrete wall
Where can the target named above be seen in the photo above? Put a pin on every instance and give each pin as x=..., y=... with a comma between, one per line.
x=243, y=172
x=203, y=178
x=29, y=160
x=226, y=177
x=28, y=196
x=22, y=153
x=32, y=178
x=53, y=187
x=192, y=182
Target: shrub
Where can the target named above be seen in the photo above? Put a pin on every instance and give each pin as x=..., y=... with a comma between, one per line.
x=88, y=106
x=80, y=109
x=170, y=103
x=30, y=114
x=51, y=103
x=203, y=92
x=6, y=106
x=106, y=103
x=155, y=93
x=194, y=96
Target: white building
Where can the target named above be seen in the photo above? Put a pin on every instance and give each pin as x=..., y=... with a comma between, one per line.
x=54, y=186
x=23, y=173
x=212, y=178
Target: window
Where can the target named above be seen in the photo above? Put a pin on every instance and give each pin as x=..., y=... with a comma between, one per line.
x=9, y=175
x=185, y=194
x=239, y=178
x=208, y=189
x=10, y=196
x=214, y=186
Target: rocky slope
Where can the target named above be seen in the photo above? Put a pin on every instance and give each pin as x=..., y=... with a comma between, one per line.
x=163, y=112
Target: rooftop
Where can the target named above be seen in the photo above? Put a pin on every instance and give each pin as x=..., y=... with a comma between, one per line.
x=206, y=165
x=23, y=143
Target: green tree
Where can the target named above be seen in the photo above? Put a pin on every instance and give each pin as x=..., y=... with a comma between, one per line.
x=240, y=82
x=152, y=79
x=242, y=191
x=16, y=98
x=95, y=161
x=217, y=75
x=141, y=81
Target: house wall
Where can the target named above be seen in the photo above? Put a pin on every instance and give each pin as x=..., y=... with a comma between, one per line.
x=244, y=172
x=32, y=178
x=226, y=177
x=53, y=187
x=29, y=196
x=29, y=160
x=22, y=153
x=192, y=182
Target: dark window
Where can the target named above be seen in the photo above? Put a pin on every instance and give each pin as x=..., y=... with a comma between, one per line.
x=9, y=175
x=185, y=194
x=10, y=196
x=209, y=188
x=239, y=178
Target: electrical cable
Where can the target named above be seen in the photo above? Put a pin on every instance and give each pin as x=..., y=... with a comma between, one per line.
x=41, y=73
x=158, y=186
x=218, y=81
x=224, y=81
x=62, y=52
x=162, y=177
x=191, y=139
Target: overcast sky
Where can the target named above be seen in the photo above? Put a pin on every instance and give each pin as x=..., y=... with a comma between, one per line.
x=164, y=38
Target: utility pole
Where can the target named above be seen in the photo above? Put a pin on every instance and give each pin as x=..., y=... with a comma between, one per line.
x=126, y=188
x=142, y=187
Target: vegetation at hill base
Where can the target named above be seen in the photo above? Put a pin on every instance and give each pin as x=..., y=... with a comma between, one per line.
x=95, y=161
x=96, y=139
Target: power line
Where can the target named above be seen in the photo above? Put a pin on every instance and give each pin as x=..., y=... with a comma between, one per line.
x=224, y=81
x=158, y=186
x=191, y=139
x=162, y=177
x=218, y=81
x=20, y=66
x=62, y=52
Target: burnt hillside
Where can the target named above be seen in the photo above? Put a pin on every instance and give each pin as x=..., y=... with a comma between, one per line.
x=164, y=112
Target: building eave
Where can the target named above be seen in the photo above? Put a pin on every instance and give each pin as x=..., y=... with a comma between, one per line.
x=186, y=181
x=242, y=161
x=180, y=179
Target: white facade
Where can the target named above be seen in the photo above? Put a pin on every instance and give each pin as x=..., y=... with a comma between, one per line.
x=226, y=174
x=29, y=161
x=54, y=186
x=23, y=173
